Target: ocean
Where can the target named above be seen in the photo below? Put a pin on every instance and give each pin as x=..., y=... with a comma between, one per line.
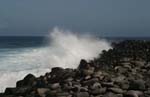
x=21, y=55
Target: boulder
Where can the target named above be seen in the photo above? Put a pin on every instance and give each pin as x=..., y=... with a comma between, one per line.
x=27, y=81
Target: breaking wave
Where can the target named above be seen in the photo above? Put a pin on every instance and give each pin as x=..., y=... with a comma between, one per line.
x=65, y=49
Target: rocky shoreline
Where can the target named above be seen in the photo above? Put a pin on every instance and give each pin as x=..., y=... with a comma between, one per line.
x=123, y=71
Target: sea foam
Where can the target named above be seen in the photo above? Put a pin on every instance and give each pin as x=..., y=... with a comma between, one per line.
x=65, y=49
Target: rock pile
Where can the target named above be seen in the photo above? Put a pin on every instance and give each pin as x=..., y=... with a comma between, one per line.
x=119, y=72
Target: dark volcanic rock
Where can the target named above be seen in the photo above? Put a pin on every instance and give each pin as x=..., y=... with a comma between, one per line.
x=27, y=81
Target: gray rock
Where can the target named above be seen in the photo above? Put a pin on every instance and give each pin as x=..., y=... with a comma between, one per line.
x=82, y=94
x=124, y=85
x=96, y=85
x=118, y=79
x=97, y=74
x=90, y=82
x=54, y=86
x=108, y=84
x=42, y=91
x=133, y=93
x=98, y=91
x=88, y=71
x=110, y=94
x=64, y=94
x=116, y=90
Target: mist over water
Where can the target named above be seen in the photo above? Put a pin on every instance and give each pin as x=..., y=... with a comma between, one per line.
x=65, y=49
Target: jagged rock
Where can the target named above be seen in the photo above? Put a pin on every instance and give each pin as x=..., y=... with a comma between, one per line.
x=27, y=81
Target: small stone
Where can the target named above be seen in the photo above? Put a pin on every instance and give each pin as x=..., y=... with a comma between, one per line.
x=133, y=93
x=96, y=85
x=98, y=91
x=116, y=90
x=108, y=84
x=90, y=82
x=55, y=86
x=82, y=94
x=42, y=91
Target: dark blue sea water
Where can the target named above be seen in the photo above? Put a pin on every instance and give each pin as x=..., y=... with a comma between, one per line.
x=38, y=41
x=21, y=41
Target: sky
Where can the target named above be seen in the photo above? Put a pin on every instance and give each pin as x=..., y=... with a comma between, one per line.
x=103, y=17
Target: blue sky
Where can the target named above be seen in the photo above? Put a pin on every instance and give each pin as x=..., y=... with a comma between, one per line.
x=106, y=17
